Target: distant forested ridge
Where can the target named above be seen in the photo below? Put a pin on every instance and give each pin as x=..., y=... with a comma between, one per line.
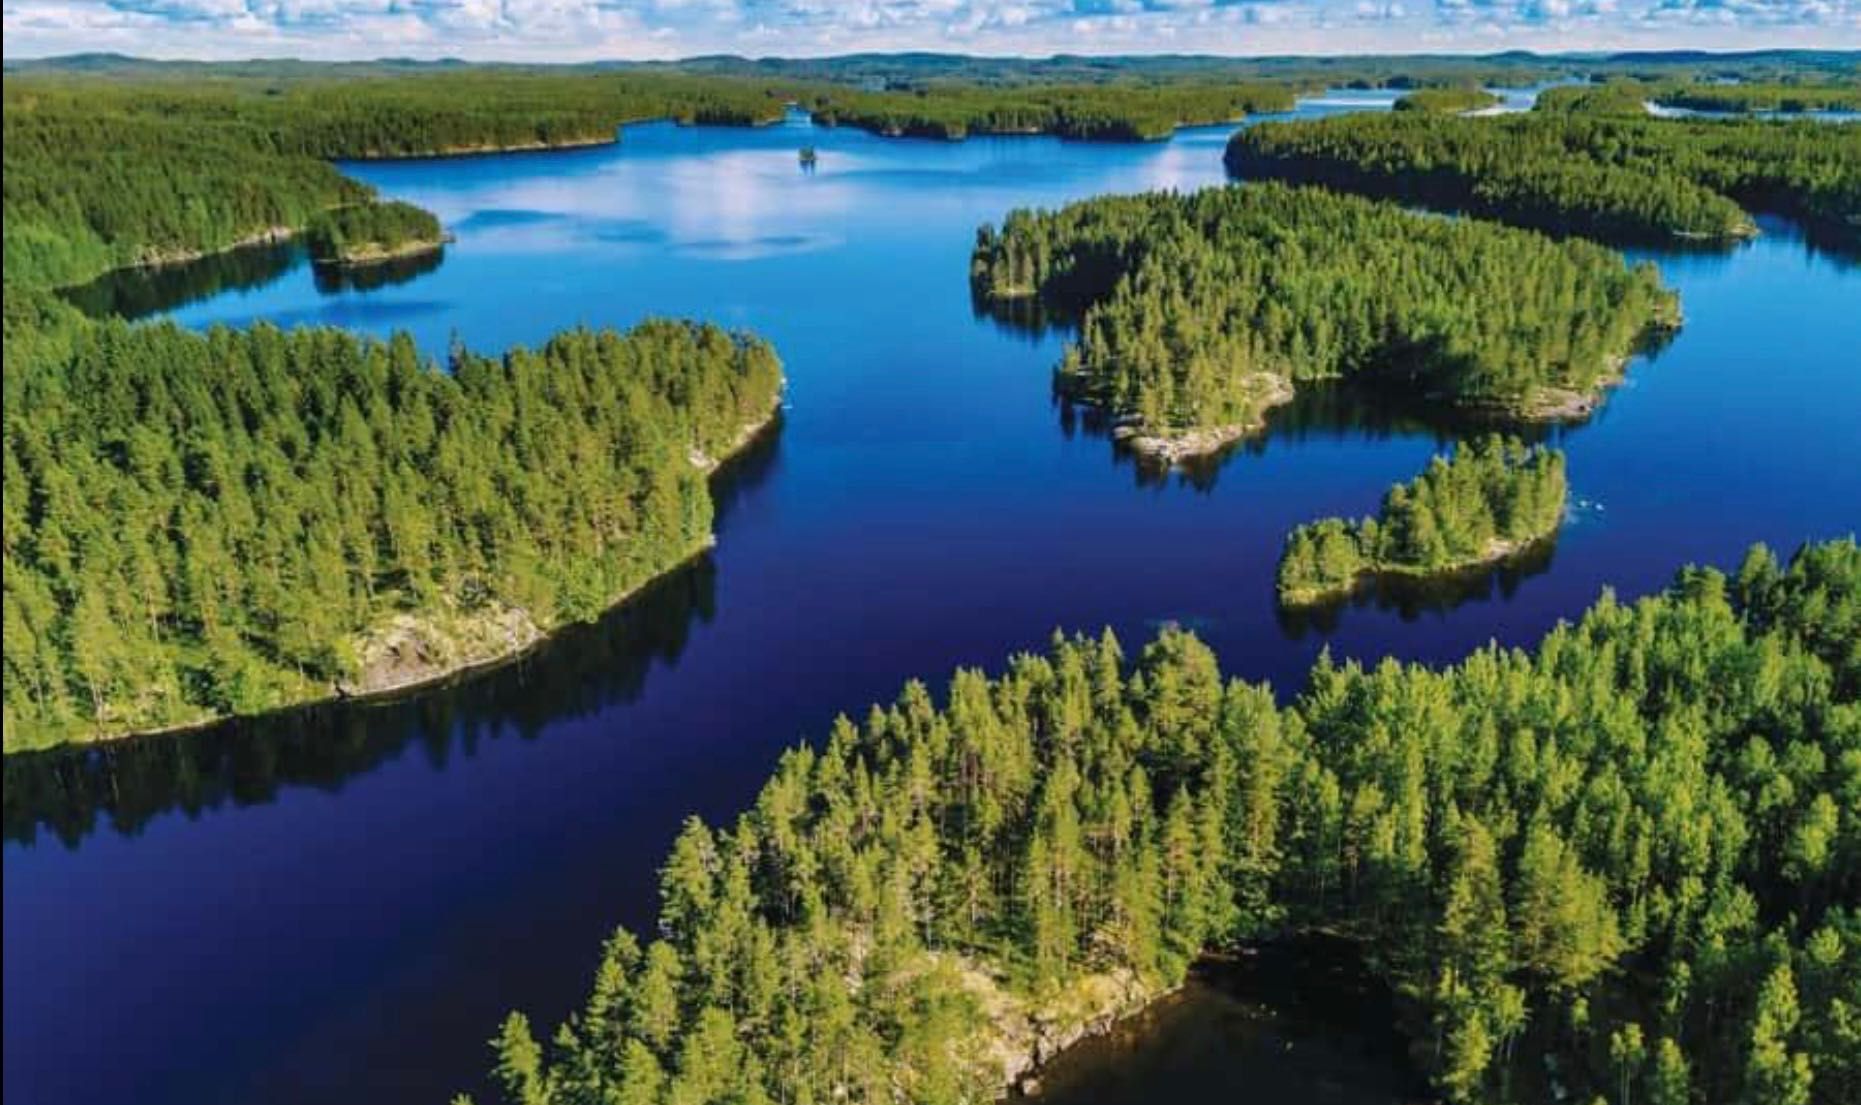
x=101, y=174
x=1446, y=101
x=1578, y=164
x=200, y=525
x=363, y=232
x=1200, y=310
x=1622, y=866
x=1788, y=98
x=1491, y=498
x=1112, y=112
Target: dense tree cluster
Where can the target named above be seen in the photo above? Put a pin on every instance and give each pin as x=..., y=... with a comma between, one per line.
x=1575, y=166
x=364, y=231
x=1623, y=97
x=1787, y=98
x=1626, y=862
x=208, y=524
x=101, y=174
x=1194, y=305
x=1446, y=101
x=1120, y=112
x=1492, y=497
x=1632, y=97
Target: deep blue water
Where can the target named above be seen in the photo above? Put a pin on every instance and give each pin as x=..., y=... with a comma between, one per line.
x=340, y=904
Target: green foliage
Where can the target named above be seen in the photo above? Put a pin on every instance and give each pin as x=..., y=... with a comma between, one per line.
x=101, y=174
x=199, y=525
x=1112, y=112
x=364, y=231
x=1788, y=98
x=1446, y=101
x=1197, y=308
x=1577, y=166
x=1492, y=497
x=1576, y=835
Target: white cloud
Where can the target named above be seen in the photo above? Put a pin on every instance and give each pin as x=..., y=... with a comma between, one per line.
x=563, y=30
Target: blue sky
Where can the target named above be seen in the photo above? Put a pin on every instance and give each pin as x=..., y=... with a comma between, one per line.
x=565, y=30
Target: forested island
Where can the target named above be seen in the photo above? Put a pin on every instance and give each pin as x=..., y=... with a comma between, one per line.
x=201, y=525
x=1118, y=113
x=1492, y=498
x=1201, y=311
x=1620, y=866
x=1446, y=101
x=1578, y=164
x=369, y=233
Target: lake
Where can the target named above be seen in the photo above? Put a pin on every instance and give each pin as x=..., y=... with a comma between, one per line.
x=342, y=902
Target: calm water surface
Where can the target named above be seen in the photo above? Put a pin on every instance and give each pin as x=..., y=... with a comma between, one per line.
x=339, y=905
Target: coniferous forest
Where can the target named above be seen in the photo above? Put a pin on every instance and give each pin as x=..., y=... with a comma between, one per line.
x=1575, y=164
x=102, y=174
x=363, y=232
x=208, y=524
x=1621, y=866
x=1634, y=849
x=1446, y=101
x=1197, y=310
x=1099, y=112
x=1491, y=498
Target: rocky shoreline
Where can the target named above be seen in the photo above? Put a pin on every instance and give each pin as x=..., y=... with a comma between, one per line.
x=413, y=651
x=1498, y=551
x=1178, y=446
x=363, y=258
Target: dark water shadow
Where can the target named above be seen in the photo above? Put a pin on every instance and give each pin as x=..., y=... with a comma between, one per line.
x=1031, y=318
x=137, y=293
x=1327, y=410
x=124, y=785
x=1410, y=597
x=1285, y=1023
x=140, y=292
x=337, y=279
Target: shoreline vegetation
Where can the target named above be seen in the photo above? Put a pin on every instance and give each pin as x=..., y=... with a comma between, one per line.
x=243, y=154
x=1586, y=160
x=371, y=233
x=1492, y=499
x=1199, y=313
x=409, y=653
x=1098, y=113
x=299, y=515
x=1447, y=101
x=1549, y=855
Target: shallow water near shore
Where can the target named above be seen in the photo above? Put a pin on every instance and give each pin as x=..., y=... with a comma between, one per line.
x=340, y=903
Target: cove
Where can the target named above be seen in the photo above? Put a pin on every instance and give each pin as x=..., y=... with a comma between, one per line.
x=340, y=903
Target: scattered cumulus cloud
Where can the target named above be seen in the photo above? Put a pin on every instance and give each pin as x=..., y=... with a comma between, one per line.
x=583, y=29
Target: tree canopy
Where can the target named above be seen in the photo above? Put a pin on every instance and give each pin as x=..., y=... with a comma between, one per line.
x=1635, y=849
x=1197, y=308
x=105, y=173
x=1492, y=497
x=222, y=523
x=369, y=231
x=1577, y=165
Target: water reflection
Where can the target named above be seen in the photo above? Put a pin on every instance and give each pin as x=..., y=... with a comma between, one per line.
x=336, y=279
x=135, y=293
x=125, y=785
x=1409, y=597
x=1296, y=1021
x=1325, y=410
x=140, y=292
